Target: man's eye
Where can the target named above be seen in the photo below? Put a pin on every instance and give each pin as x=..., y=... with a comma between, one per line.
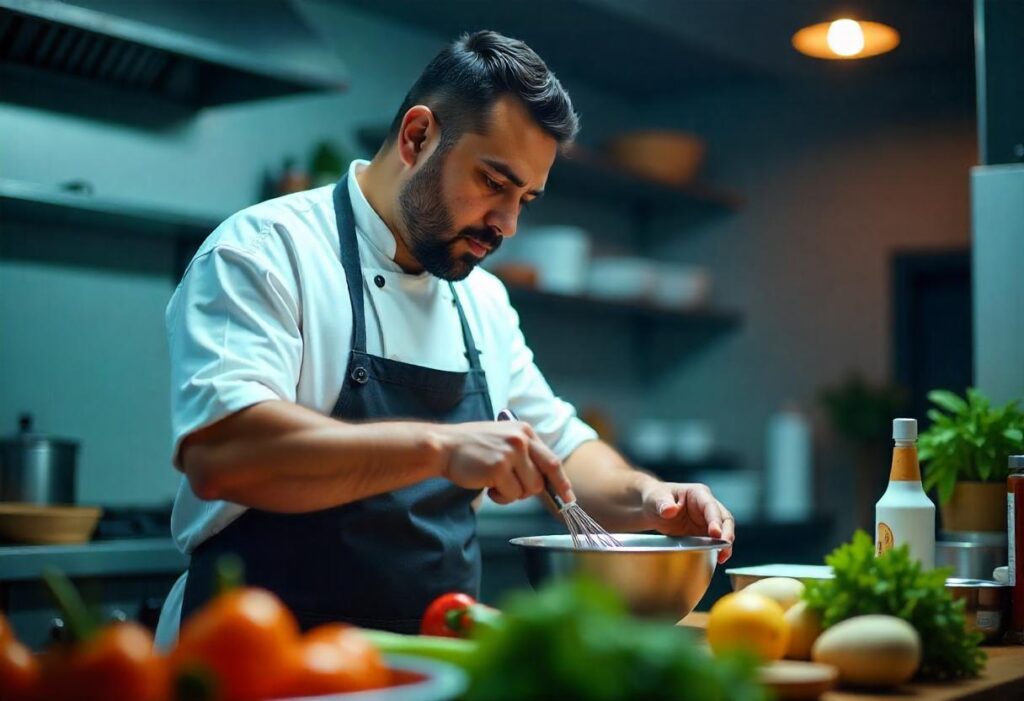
x=493, y=184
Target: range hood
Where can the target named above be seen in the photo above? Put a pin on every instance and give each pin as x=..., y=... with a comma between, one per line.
x=56, y=47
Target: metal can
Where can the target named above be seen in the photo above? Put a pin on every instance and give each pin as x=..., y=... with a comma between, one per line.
x=1015, y=537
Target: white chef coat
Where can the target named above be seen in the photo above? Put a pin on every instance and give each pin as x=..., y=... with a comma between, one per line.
x=263, y=313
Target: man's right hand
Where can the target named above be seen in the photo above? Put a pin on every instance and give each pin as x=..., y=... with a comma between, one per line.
x=506, y=458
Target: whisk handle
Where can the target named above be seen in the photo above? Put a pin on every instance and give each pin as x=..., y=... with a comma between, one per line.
x=509, y=415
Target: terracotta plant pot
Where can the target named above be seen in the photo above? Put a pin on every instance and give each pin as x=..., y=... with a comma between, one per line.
x=976, y=506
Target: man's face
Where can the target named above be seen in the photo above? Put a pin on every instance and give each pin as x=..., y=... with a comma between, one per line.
x=460, y=204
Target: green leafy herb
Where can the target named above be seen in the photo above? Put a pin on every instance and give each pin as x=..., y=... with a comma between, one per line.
x=894, y=584
x=574, y=640
x=970, y=441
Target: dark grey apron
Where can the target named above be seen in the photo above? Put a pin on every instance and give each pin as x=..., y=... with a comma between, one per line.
x=377, y=562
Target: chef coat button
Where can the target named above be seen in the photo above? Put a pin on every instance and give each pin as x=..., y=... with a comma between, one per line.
x=360, y=375
x=378, y=280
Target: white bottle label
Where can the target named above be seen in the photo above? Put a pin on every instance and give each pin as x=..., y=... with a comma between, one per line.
x=906, y=516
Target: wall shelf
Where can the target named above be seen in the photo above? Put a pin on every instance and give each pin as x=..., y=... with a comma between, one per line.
x=705, y=318
x=29, y=203
x=587, y=173
x=656, y=336
x=678, y=470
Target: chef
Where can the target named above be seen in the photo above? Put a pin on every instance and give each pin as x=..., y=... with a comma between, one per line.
x=338, y=358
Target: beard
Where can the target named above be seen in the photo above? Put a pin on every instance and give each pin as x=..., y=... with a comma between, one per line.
x=429, y=229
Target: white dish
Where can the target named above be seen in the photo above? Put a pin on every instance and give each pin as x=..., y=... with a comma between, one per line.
x=622, y=278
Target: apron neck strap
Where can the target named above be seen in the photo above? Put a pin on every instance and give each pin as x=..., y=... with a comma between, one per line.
x=472, y=354
x=350, y=261
x=354, y=277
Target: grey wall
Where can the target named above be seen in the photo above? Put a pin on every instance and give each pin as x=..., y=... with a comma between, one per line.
x=81, y=317
x=835, y=176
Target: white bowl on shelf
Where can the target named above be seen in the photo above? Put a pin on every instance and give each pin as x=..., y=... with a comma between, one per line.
x=693, y=440
x=650, y=440
x=559, y=254
x=681, y=286
x=622, y=278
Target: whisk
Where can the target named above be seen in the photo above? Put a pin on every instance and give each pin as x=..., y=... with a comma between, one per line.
x=584, y=531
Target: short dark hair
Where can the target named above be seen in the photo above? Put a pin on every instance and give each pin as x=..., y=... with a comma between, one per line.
x=468, y=76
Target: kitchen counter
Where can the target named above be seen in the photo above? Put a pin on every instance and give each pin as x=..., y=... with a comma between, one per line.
x=141, y=556
x=125, y=577
x=1002, y=680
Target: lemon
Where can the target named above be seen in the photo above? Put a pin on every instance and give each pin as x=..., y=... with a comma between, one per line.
x=750, y=621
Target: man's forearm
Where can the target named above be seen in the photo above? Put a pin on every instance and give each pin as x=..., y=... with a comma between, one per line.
x=607, y=487
x=279, y=456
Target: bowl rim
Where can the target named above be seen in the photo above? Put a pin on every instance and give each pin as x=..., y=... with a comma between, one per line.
x=692, y=544
x=34, y=510
x=970, y=583
x=442, y=680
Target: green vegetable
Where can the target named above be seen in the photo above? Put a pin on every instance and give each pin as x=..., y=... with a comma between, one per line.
x=455, y=650
x=574, y=640
x=894, y=584
x=969, y=442
x=82, y=622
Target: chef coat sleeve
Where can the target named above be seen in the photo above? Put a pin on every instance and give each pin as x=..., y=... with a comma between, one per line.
x=533, y=401
x=233, y=328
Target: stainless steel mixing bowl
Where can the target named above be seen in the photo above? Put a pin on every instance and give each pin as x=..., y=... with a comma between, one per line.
x=658, y=576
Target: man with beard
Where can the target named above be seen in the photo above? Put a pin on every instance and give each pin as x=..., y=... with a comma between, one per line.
x=338, y=359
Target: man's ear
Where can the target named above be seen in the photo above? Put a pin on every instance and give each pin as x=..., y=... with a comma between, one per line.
x=419, y=130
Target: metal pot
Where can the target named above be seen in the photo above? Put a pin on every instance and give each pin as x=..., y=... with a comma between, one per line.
x=971, y=555
x=37, y=469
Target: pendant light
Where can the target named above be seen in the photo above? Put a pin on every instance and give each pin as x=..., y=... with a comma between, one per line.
x=845, y=39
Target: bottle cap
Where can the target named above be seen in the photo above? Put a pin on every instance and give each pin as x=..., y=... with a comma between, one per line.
x=1016, y=462
x=904, y=429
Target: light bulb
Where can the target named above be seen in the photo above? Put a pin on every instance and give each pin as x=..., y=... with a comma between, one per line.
x=845, y=37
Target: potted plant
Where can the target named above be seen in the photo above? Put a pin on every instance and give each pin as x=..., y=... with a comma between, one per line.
x=964, y=452
x=861, y=413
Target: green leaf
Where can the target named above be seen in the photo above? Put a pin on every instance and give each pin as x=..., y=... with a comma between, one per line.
x=972, y=444
x=948, y=401
x=573, y=640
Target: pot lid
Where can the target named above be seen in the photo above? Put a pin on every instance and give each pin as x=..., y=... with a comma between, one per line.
x=26, y=436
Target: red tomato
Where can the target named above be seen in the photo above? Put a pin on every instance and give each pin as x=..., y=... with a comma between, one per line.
x=245, y=639
x=336, y=658
x=19, y=672
x=6, y=632
x=117, y=664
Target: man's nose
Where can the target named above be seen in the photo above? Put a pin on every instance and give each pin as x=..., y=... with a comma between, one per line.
x=503, y=221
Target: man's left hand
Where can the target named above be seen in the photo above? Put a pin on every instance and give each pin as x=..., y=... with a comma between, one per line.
x=673, y=508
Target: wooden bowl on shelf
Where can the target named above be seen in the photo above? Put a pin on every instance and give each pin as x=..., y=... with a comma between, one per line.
x=670, y=157
x=36, y=524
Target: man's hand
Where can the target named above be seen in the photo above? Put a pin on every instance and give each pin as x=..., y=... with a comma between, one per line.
x=688, y=509
x=506, y=458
